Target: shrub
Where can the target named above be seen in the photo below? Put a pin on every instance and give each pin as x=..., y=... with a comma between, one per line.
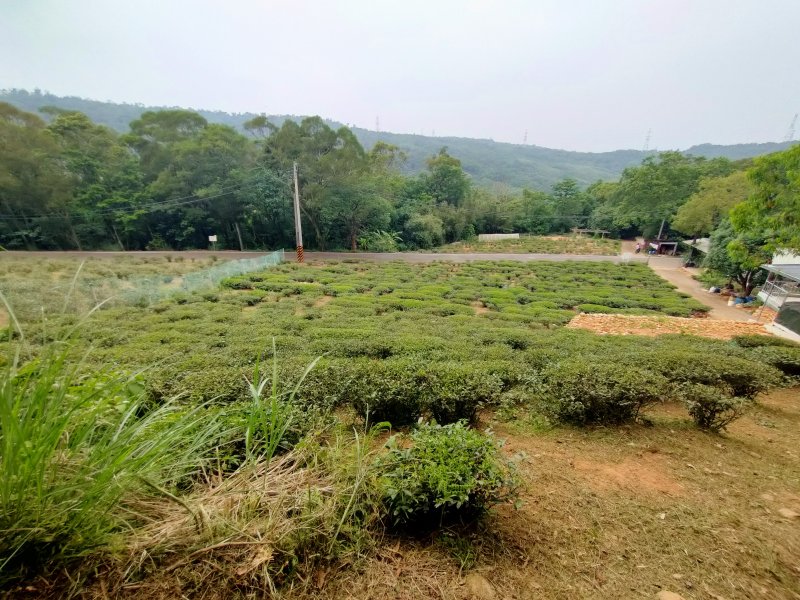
x=786, y=359
x=756, y=341
x=739, y=376
x=583, y=392
x=454, y=392
x=384, y=390
x=710, y=407
x=448, y=472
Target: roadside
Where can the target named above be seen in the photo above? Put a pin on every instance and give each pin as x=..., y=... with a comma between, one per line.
x=411, y=257
x=681, y=278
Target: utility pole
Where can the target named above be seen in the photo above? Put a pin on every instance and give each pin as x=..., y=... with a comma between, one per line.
x=297, y=225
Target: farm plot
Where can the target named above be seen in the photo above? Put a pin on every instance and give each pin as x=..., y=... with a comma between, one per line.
x=221, y=490
x=529, y=244
x=373, y=323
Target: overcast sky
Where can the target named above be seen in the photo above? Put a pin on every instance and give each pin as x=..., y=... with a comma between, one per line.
x=576, y=74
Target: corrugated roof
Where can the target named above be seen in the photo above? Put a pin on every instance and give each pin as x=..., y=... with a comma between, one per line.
x=788, y=271
x=702, y=244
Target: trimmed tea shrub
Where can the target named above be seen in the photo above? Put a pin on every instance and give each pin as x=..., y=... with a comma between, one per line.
x=384, y=390
x=453, y=392
x=448, y=472
x=756, y=341
x=584, y=392
x=710, y=407
x=787, y=359
x=737, y=376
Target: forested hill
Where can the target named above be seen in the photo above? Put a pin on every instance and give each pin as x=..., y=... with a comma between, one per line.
x=489, y=163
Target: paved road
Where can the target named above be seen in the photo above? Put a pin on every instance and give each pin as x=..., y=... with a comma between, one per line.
x=683, y=280
x=412, y=257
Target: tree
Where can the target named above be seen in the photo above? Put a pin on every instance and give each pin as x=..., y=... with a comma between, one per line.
x=210, y=164
x=568, y=205
x=106, y=179
x=711, y=203
x=154, y=133
x=35, y=189
x=773, y=210
x=649, y=195
x=446, y=181
x=738, y=257
x=536, y=212
x=425, y=230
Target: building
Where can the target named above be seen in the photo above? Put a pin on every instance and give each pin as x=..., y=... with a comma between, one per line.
x=783, y=281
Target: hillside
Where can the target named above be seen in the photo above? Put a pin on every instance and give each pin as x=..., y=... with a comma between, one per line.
x=489, y=163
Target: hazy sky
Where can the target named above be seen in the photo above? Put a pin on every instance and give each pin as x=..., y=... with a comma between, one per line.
x=577, y=74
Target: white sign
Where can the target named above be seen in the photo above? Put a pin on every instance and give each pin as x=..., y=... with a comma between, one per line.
x=212, y=238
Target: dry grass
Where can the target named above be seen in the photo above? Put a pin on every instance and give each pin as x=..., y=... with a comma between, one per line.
x=42, y=282
x=608, y=513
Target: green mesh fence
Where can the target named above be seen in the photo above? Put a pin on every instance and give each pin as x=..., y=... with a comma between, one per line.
x=44, y=286
x=147, y=290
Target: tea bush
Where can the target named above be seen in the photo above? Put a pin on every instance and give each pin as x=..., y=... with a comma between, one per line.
x=454, y=391
x=736, y=375
x=589, y=392
x=756, y=341
x=447, y=472
x=784, y=358
x=710, y=407
x=384, y=391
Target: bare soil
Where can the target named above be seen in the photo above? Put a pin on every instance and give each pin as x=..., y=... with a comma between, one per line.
x=660, y=325
x=621, y=513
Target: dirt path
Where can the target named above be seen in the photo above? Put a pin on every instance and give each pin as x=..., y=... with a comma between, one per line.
x=682, y=279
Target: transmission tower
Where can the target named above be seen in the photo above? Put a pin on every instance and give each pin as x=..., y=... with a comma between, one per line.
x=525, y=137
x=790, y=134
x=646, y=147
x=378, y=124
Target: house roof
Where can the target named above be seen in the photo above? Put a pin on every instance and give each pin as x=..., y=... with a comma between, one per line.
x=787, y=271
x=702, y=244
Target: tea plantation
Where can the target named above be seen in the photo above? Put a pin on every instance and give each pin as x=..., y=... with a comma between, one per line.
x=397, y=340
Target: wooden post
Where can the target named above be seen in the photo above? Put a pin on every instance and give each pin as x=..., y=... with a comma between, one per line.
x=297, y=225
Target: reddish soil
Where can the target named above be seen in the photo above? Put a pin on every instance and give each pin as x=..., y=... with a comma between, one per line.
x=653, y=326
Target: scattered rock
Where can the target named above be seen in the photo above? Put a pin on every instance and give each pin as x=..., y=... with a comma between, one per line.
x=788, y=513
x=665, y=595
x=479, y=587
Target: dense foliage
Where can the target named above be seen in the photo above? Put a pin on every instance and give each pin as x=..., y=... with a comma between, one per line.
x=444, y=472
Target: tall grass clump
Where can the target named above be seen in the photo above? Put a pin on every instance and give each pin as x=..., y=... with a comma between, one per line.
x=271, y=418
x=73, y=449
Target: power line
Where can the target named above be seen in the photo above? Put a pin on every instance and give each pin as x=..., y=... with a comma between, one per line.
x=147, y=207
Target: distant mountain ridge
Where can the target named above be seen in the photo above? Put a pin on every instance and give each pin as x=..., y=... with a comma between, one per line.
x=489, y=163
